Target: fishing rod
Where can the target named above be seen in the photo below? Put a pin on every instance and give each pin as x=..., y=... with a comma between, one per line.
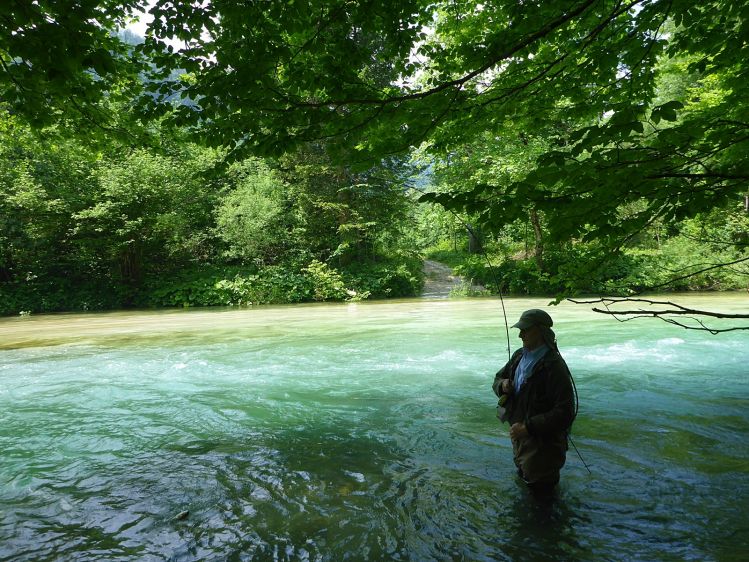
x=493, y=272
x=494, y=276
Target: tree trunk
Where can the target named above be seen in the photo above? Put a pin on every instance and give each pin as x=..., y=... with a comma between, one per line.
x=538, y=253
x=346, y=236
x=130, y=272
x=474, y=239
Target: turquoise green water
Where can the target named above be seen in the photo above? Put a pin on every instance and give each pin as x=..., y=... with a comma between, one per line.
x=361, y=432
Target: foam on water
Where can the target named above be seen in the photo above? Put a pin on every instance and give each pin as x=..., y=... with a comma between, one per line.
x=671, y=341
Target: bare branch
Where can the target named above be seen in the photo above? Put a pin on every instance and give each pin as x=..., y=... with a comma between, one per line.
x=713, y=266
x=665, y=314
x=713, y=175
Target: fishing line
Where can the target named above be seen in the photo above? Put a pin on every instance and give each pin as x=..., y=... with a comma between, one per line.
x=496, y=280
x=492, y=270
x=578, y=454
x=577, y=408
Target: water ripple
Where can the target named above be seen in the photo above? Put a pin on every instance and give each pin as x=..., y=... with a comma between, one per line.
x=364, y=433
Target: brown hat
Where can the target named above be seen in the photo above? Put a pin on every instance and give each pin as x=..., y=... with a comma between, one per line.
x=533, y=317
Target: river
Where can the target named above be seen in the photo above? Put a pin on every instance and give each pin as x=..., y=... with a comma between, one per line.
x=362, y=431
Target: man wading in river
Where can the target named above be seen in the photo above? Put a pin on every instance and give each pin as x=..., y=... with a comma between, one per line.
x=536, y=398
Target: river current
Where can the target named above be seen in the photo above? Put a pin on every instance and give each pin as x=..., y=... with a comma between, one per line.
x=362, y=431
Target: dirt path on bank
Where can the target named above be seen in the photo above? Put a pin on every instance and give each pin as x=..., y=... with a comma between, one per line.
x=439, y=280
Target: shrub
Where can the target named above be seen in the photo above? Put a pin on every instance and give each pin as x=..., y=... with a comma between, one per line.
x=270, y=285
x=327, y=283
x=386, y=279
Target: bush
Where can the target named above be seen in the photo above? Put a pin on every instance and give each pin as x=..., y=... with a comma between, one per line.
x=270, y=285
x=465, y=289
x=387, y=279
x=477, y=269
x=327, y=283
x=67, y=294
x=401, y=276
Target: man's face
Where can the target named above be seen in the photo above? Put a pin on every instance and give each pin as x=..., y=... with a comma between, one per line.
x=531, y=337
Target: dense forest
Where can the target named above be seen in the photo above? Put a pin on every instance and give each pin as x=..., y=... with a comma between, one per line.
x=289, y=153
x=86, y=229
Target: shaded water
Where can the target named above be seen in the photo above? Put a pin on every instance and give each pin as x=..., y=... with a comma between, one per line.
x=361, y=432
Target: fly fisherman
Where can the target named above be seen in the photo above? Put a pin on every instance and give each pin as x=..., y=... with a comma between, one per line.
x=537, y=399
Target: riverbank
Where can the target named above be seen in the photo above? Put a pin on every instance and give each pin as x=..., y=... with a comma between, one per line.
x=311, y=281
x=680, y=265
x=59, y=328
x=460, y=275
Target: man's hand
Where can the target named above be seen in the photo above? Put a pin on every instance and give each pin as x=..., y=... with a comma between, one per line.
x=506, y=386
x=518, y=431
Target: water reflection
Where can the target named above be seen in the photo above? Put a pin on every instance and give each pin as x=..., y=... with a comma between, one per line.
x=544, y=527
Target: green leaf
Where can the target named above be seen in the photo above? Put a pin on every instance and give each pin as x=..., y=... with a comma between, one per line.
x=666, y=111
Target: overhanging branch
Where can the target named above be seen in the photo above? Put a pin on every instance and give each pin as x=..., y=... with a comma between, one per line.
x=672, y=313
x=458, y=83
x=692, y=274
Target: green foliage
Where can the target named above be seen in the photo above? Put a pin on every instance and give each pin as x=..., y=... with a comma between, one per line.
x=250, y=217
x=279, y=284
x=153, y=209
x=233, y=287
x=400, y=276
x=466, y=289
x=586, y=141
x=445, y=252
x=63, y=63
x=342, y=215
x=583, y=269
x=327, y=283
x=60, y=294
x=86, y=230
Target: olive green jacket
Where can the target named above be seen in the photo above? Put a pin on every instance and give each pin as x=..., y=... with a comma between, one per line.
x=546, y=405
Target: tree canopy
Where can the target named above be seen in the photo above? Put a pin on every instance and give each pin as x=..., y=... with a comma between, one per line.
x=381, y=77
